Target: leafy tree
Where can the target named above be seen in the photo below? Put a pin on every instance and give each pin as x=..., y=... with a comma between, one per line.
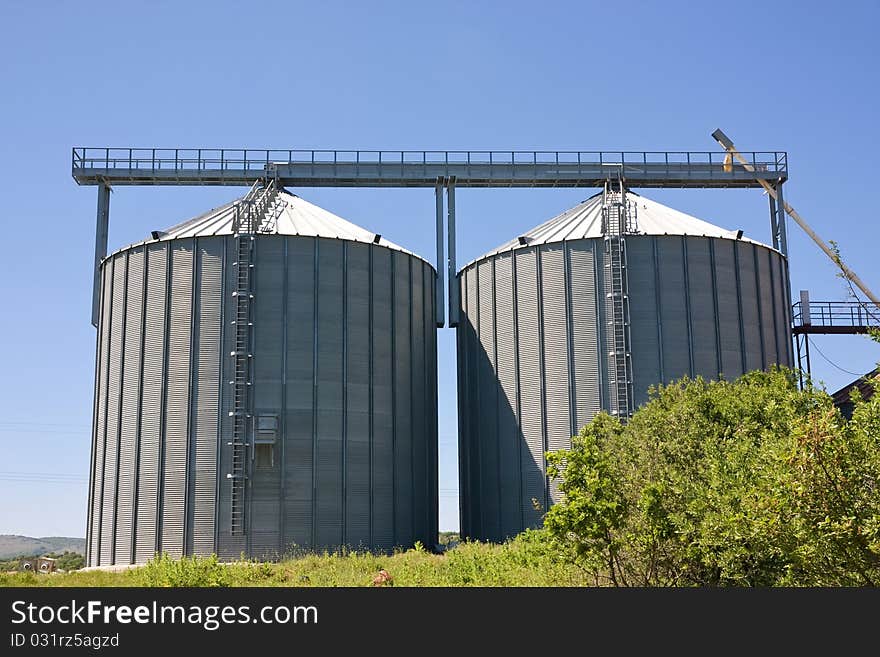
x=69, y=560
x=833, y=488
x=588, y=523
x=745, y=483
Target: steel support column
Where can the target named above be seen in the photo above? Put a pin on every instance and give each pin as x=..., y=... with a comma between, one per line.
x=441, y=257
x=774, y=224
x=783, y=248
x=101, y=226
x=450, y=271
x=780, y=221
x=802, y=346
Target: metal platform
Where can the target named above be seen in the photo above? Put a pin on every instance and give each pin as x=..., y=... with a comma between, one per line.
x=827, y=318
x=442, y=170
x=833, y=318
x=332, y=168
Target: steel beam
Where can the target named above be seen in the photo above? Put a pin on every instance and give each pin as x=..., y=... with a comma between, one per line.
x=774, y=224
x=127, y=166
x=802, y=347
x=817, y=329
x=780, y=221
x=476, y=175
x=441, y=257
x=451, y=266
x=101, y=228
x=438, y=169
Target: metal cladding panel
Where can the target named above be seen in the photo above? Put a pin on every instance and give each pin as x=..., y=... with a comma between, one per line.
x=344, y=355
x=403, y=481
x=603, y=339
x=672, y=288
x=268, y=317
x=556, y=345
x=382, y=471
x=228, y=546
x=357, y=395
x=419, y=439
x=131, y=395
x=432, y=484
x=584, y=332
x=751, y=316
x=329, y=426
x=463, y=369
x=509, y=440
x=487, y=423
x=729, y=325
x=701, y=305
x=769, y=335
x=531, y=335
x=177, y=406
x=643, y=314
x=299, y=401
x=97, y=475
x=151, y=403
x=206, y=394
x=474, y=445
x=114, y=393
x=780, y=304
x=530, y=383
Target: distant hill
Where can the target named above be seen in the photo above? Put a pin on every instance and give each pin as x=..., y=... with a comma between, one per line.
x=12, y=545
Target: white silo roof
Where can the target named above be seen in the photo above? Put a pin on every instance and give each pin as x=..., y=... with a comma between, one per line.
x=296, y=217
x=585, y=221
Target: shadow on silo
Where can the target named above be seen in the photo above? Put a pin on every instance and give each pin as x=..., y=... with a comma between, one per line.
x=502, y=481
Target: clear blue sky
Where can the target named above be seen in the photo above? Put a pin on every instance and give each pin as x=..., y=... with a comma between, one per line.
x=795, y=76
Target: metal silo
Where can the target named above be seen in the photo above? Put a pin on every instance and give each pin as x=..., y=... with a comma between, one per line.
x=266, y=377
x=584, y=313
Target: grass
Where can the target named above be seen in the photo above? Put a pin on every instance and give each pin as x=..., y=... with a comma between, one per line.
x=523, y=561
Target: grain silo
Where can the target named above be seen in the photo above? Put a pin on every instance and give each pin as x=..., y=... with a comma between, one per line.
x=266, y=377
x=584, y=313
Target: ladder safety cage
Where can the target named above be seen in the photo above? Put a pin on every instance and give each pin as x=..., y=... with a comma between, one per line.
x=256, y=213
x=618, y=219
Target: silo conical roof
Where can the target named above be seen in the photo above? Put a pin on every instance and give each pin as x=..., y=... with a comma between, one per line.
x=295, y=216
x=584, y=221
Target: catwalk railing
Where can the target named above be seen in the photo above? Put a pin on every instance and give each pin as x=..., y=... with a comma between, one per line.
x=367, y=168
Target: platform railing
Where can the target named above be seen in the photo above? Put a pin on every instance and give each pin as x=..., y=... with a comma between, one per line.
x=835, y=314
x=170, y=161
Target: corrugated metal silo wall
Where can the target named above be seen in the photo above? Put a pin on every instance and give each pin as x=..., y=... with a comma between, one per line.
x=531, y=345
x=344, y=357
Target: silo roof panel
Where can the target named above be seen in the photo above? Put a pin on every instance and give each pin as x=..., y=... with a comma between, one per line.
x=297, y=217
x=584, y=221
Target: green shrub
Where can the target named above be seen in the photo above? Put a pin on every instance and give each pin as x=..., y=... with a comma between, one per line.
x=745, y=483
x=163, y=570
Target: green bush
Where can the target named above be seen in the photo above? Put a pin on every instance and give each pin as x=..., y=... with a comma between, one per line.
x=163, y=570
x=69, y=560
x=527, y=560
x=745, y=483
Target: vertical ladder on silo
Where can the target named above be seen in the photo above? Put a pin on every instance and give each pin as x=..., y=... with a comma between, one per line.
x=251, y=215
x=618, y=218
